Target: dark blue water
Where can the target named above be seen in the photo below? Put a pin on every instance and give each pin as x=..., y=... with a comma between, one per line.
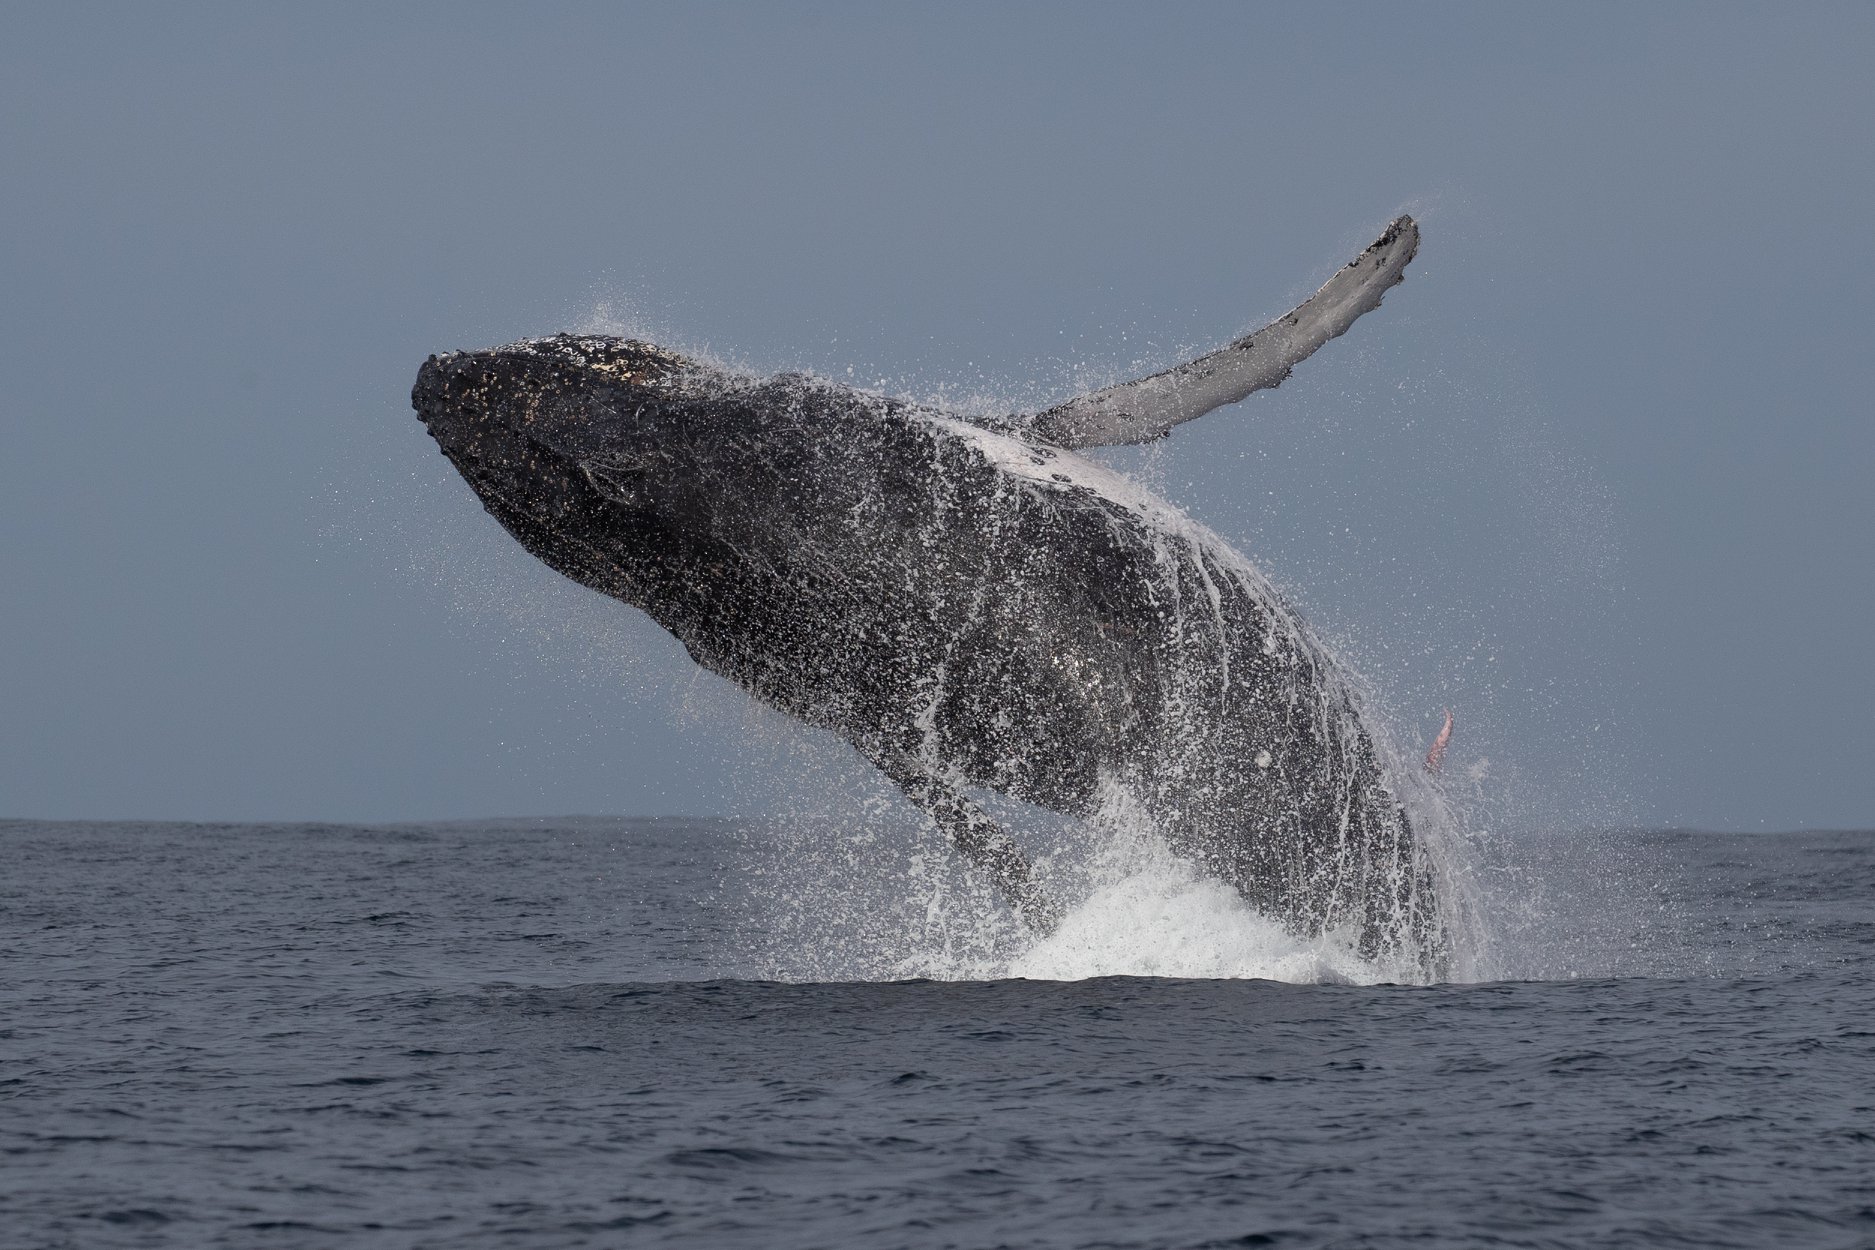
x=544, y=1034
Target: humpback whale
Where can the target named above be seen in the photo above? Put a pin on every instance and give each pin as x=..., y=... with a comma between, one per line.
x=969, y=603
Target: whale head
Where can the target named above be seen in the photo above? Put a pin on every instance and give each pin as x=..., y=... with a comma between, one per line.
x=581, y=398
x=575, y=443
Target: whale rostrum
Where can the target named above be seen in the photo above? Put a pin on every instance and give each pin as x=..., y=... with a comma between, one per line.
x=968, y=602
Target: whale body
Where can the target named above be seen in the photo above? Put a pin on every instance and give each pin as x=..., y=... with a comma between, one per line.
x=968, y=602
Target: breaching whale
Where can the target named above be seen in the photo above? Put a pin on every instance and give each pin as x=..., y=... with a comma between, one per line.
x=968, y=602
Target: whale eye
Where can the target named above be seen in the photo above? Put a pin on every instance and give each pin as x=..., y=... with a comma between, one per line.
x=616, y=476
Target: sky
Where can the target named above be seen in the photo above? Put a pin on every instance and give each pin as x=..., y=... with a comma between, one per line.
x=1597, y=476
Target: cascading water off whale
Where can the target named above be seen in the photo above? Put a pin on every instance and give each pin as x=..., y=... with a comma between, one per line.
x=968, y=602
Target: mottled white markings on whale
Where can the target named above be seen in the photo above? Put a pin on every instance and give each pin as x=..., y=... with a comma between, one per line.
x=971, y=604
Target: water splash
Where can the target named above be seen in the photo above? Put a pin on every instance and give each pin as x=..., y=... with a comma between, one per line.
x=1195, y=589
x=1174, y=923
x=1146, y=912
x=881, y=899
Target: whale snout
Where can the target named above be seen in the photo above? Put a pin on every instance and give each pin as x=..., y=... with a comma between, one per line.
x=428, y=390
x=437, y=394
x=465, y=400
x=453, y=385
x=465, y=397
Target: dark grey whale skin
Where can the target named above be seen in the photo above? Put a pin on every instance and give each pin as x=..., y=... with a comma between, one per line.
x=967, y=608
x=968, y=602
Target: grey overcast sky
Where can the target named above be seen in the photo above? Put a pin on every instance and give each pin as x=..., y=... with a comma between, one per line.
x=1598, y=475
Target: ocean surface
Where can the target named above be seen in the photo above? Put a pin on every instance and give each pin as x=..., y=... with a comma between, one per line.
x=593, y=1032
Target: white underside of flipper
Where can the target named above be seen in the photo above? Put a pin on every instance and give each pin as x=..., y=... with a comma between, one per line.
x=1148, y=408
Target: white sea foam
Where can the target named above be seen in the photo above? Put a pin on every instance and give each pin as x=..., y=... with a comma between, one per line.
x=1135, y=909
x=1170, y=922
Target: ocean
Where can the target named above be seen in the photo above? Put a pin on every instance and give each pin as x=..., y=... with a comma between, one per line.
x=612, y=1032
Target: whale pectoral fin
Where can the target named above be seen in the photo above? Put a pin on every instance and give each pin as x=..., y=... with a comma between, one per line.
x=1147, y=408
x=1435, y=756
x=983, y=842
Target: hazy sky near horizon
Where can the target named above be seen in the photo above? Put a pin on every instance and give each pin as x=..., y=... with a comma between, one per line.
x=1598, y=475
